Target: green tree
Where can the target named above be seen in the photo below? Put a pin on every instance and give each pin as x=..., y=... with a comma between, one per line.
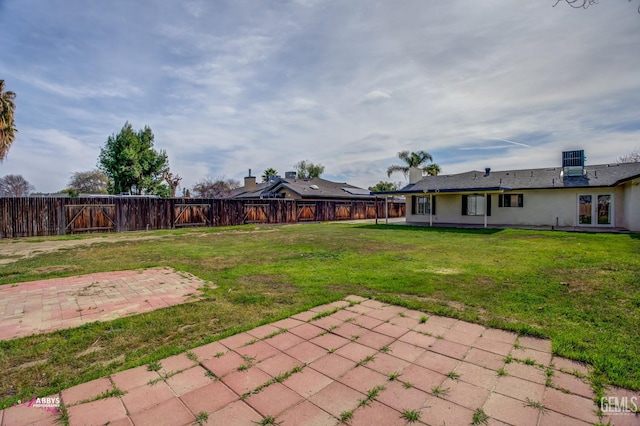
x=384, y=186
x=414, y=159
x=268, y=173
x=307, y=170
x=89, y=182
x=7, y=124
x=433, y=169
x=131, y=163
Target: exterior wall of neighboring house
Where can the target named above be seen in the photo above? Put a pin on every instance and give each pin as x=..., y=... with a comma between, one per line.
x=553, y=207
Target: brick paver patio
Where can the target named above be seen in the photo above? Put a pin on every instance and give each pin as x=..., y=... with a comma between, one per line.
x=46, y=305
x=367, y=363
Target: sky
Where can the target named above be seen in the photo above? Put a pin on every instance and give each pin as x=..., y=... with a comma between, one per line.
x=228, y=86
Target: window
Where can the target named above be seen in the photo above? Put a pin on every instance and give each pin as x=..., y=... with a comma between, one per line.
x=474, y=205
x=510, y=200
x=421, y=205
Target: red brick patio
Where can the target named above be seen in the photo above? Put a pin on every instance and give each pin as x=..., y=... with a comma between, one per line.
x=46, y=305
x=367, y=364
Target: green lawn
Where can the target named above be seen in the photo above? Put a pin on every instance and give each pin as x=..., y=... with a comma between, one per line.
x=581, y=290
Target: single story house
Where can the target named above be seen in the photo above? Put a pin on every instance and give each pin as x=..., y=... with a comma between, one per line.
x=292, y=188
x=571, y=196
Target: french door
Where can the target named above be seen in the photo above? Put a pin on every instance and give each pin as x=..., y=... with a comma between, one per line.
x=595, y=210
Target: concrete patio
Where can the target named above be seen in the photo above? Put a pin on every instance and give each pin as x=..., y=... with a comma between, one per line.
x=357, y=362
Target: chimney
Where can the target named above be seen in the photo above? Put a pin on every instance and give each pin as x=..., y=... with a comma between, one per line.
x=487, y=171
x=415, y=175
x=250, y=182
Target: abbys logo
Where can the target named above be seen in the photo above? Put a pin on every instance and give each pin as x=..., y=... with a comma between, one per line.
x=48, y=404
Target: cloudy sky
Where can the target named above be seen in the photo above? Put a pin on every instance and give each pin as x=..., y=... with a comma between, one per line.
x=231, y=85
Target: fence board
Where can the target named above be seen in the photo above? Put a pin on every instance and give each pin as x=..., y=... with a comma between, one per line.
x=44, y=216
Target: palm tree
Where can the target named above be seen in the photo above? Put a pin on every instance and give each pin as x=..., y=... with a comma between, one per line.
x=7, y=125
x=433, y=169
x=268, y=173
x=414, y=159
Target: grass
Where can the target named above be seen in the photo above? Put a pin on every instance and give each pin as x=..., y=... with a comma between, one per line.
x=346, y=416
x=479, y=417
x=508, y=279
x=411, y=415
x=453, y=375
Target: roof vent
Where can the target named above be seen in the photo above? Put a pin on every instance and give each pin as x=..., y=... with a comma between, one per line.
x=314, y=186
x=487, y=171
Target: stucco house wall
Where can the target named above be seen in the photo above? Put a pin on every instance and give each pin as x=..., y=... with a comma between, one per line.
x=555, y=207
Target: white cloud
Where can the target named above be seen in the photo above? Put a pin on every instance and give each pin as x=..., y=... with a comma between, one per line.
x=347, y=84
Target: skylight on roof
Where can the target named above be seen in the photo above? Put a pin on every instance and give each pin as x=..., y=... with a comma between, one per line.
x=314, y=186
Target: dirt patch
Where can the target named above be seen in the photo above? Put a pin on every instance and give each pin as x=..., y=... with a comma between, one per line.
x=13, y=251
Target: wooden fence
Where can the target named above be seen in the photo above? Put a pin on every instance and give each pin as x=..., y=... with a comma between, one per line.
x=41, y=216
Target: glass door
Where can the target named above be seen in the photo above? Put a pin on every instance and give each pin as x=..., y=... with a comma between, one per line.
x=584, y=210
x=604, y=209
x=596, y=210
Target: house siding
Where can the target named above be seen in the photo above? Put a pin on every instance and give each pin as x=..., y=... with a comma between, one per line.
x=552, y=208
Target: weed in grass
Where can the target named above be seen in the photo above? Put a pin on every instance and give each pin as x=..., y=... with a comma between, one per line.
x=193, y=357
x=402, y=315
x=385, y=349
x=440, y=391
x=64, y=416
x=330, y=351
x=218, y=354
x=453, y=375
x=479, y=417
x=407, y=385
x=346, y=416
x=508, y=359
x=423, y=319
x=244, y=367
x=411, y=415
x=109, y=394
x=201, y=418
x=154, y=366
x=324, y=314
x=365, y=360
x=249, y=358
x=350, y=319
x=502, y=372
x=154, y=381
x=517, y=345
x=535, y=404
x=275, y=333
x=354, y=337
x=529, y=361
x=210, y=375
x=439, y=337
x=394, y=375
x=269, y=420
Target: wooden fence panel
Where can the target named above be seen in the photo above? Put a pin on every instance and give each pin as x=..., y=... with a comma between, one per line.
x=44, y=216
